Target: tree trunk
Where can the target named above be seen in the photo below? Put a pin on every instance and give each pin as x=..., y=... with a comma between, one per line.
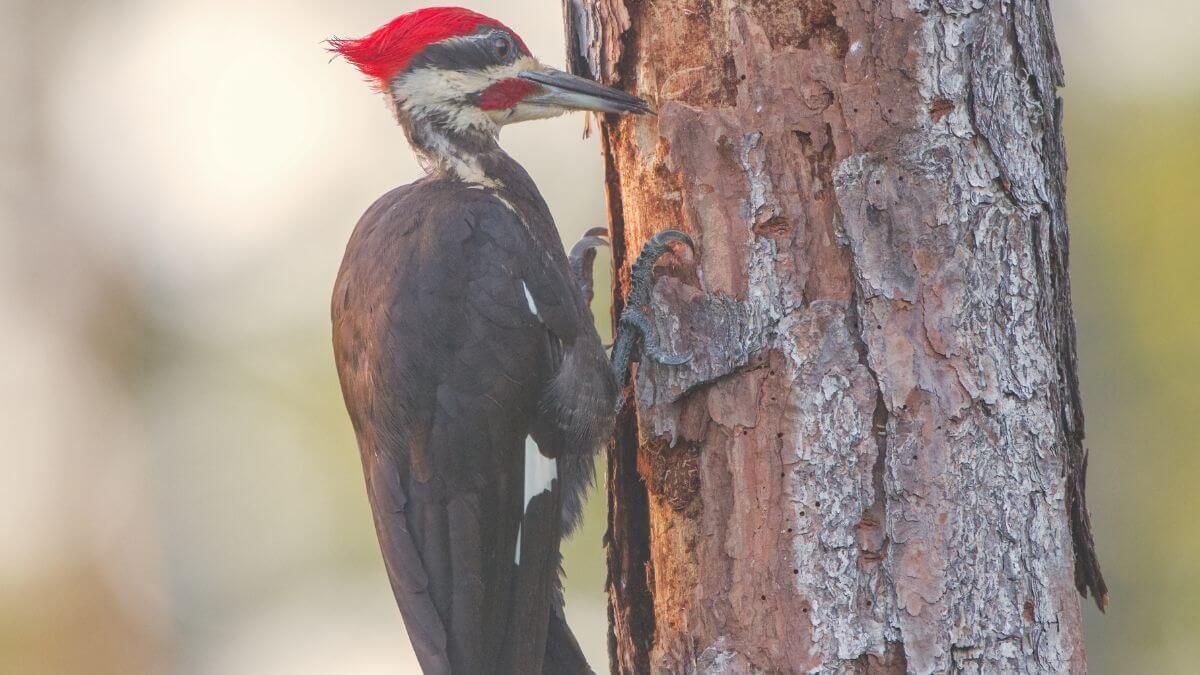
x=875, y=461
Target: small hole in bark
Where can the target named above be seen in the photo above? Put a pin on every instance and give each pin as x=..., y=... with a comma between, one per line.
x=795, y=571
x=801, y=513
x=890, y=111
x=742, y=78
x=762, y=597
x=869, y=603
x=901, y=179
x=779, y=435
x=940, y=108
x=878, y=326
x=781, y=474
x=790, y=529
x=818, y=504
x=855, y=109
x=806, y=610
x=914, y=456
x=877, y=181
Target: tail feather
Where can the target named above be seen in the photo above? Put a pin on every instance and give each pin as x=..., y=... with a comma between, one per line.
x=563, y=654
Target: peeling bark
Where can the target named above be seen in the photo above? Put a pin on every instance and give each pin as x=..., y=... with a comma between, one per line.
x=875, y=461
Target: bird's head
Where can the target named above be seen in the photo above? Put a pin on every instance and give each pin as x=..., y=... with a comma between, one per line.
x=462, y=71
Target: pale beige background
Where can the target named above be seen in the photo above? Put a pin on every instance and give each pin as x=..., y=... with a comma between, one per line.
x=180, y=491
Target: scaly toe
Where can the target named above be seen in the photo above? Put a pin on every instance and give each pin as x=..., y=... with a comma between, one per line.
x=639, y=275
x=637, y=320
x=666, y=236
x=583, y=258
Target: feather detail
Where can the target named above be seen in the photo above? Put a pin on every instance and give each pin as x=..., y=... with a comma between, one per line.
x=385, y=52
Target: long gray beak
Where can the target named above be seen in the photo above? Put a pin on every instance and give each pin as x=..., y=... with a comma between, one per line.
x=576, y=93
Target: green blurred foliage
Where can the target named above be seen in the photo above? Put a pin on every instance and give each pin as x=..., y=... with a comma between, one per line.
x=1135, y=225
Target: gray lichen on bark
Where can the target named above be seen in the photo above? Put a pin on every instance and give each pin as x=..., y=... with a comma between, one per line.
x=882, y=423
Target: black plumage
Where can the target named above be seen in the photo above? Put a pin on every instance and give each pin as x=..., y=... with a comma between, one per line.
x=459, y=333
x=476, y=383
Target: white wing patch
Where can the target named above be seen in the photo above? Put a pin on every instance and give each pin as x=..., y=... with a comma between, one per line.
x=529, y=300
x=540, y=473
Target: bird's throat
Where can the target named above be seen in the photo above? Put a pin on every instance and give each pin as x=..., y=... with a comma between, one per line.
x=470, y=156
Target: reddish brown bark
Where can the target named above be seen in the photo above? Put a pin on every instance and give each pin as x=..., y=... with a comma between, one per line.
x=875, y=461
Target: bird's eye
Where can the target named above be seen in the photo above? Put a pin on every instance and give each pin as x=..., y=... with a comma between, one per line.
x=502, y=46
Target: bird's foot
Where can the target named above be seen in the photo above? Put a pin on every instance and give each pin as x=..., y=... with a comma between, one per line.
x=634, y=326
x=583, y=258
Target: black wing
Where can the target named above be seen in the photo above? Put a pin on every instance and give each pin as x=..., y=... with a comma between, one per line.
x=443, y=361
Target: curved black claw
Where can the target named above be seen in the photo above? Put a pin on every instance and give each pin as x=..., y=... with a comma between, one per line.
x=583, y=258
x=633, y=326
x=639, y=275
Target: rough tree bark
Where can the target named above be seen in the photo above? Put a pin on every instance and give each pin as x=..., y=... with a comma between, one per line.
x=875, y=462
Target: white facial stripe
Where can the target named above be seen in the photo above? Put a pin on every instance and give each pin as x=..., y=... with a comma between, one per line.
x=524, y=112
x=429, y=90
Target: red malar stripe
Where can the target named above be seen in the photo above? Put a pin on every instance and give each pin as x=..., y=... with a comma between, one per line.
x=506, y=94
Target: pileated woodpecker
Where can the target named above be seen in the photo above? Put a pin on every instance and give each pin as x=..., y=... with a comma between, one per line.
x=475, y=381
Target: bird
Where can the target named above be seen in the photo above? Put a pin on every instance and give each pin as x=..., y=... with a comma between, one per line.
x=477, y=386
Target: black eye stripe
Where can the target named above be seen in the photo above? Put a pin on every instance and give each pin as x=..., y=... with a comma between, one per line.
x=474, y=52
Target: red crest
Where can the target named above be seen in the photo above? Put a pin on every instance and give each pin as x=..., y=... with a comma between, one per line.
x=388, y=50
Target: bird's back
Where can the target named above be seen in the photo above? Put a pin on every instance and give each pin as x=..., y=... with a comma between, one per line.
x=443, y=360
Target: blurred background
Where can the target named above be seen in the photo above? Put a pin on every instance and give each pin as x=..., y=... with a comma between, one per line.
x=181, y=491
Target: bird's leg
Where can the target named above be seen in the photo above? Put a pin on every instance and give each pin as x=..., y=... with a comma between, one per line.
x=583, y=257
x=634, y=327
